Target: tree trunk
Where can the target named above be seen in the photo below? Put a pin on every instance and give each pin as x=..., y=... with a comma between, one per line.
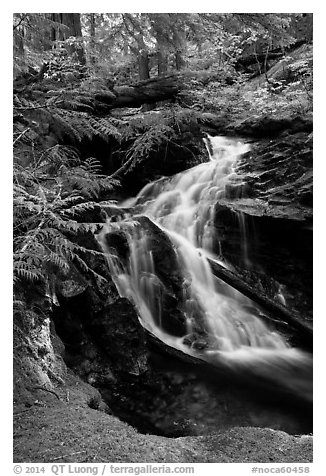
x=72, y=22
x=179, y=61
x=162, y=64
x=143, y=65
x=179, y=42
x=92, y=23
x=143, y=60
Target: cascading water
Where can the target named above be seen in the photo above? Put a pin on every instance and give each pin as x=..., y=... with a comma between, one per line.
x=183, y=208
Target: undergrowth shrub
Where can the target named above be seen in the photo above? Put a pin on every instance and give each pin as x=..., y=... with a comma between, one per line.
x=51, y=194
x=148, y=133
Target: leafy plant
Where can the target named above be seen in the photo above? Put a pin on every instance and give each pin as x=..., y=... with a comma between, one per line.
x=51, y=194
x=152, y=131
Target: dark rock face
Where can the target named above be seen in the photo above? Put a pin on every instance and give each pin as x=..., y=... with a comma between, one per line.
x=262, y=127
x=101, y=344
x=271, y=127
x=118, y=241
x=117, y=331
x=279, y=173
x=178, y=399
x=278, y=254
x=264, y=223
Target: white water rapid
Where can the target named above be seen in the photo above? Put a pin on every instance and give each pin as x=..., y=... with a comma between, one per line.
x=183, y=207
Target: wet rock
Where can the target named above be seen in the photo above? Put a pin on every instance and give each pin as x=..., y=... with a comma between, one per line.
x=164, y=256
x=269, y=222
x=275, y=208
x=237, y=190
x=259, y=250
x=119, y=242
x=200, y=341
x=167, y=286
x=116, y=213
x=189, y=339
x=279, y=175
x=200, y=344
x=172, y=317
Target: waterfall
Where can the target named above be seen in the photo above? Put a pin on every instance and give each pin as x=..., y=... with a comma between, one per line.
x=183, y=209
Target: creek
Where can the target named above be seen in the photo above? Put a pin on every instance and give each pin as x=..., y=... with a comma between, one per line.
x=216, y=323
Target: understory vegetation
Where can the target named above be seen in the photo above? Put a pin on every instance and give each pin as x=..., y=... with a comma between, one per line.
x=68, y=67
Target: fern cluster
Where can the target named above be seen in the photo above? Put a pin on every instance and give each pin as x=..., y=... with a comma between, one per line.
x=69, y=116
x=151, y=131
x=51, y=194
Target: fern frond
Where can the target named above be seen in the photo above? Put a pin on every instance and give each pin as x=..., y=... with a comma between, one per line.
x=26, y=271
x=92, y=166
x=50, y=195
x=87, y=269
x=105, y=128
x=57, y=260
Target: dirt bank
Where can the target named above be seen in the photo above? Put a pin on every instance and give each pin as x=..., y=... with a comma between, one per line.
x=73, y=432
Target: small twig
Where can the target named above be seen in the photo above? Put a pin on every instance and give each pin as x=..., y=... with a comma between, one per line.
x=123, y=167
x=32, y=236
x=265, y=65
x=47, y=390
x=183, y=147
x=55, y=377
x=22, y=18
x=66, y=456
x=21, y=135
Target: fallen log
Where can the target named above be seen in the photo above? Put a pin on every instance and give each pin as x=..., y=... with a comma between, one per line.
x=246, y=61
x=279, y=311
x=153, y=90
x=259, y=58
x=102, y=101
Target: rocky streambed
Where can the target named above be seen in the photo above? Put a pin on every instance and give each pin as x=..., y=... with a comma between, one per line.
x=86, y=370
